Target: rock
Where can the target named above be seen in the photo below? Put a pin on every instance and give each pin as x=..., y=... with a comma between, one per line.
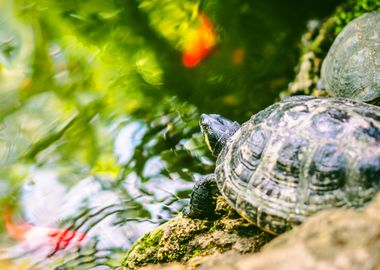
x=330, y=240
x=189, y=240
x=333, y=239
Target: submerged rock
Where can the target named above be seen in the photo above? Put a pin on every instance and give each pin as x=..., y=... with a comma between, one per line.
x=332, y=239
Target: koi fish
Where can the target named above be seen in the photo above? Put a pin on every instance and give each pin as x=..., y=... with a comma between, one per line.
x=201, y=44
x=35, y=238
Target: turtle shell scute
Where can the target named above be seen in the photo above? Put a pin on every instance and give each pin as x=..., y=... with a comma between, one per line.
x=300, y=156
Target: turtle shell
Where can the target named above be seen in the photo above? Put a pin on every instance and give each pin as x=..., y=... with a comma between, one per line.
x=300, y=156
x=351, y=68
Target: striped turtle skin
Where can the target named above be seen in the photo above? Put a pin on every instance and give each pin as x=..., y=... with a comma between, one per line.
x=351, y=68
x=300, y=156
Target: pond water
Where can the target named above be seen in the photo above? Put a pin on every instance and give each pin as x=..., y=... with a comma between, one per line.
x=99, y=108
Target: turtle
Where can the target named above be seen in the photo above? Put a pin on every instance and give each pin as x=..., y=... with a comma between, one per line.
x=291, y=160
x=351, y=68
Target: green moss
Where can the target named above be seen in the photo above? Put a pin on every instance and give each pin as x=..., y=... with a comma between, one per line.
x=352, y=10
x=210, y=246
x=183, y=239
x=214, y=227
x=343, y=15
x=175, y=255
x=150, y=240
x=195, y=252
x=144, y=250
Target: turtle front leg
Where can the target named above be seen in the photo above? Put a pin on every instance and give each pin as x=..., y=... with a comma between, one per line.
x=202, y=200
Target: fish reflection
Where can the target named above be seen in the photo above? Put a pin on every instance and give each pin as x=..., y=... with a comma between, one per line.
x=201, y=44
x=71, y=228
x=43, y=239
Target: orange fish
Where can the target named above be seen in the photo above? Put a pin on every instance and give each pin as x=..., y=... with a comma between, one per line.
x=38, y=237
x=201, y=44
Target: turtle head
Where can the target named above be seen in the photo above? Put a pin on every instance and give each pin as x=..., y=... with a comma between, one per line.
x=216, y=130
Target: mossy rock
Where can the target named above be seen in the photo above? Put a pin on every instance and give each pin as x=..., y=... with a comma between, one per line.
x=187, y=240
x=332, y=239
x=316, y=42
